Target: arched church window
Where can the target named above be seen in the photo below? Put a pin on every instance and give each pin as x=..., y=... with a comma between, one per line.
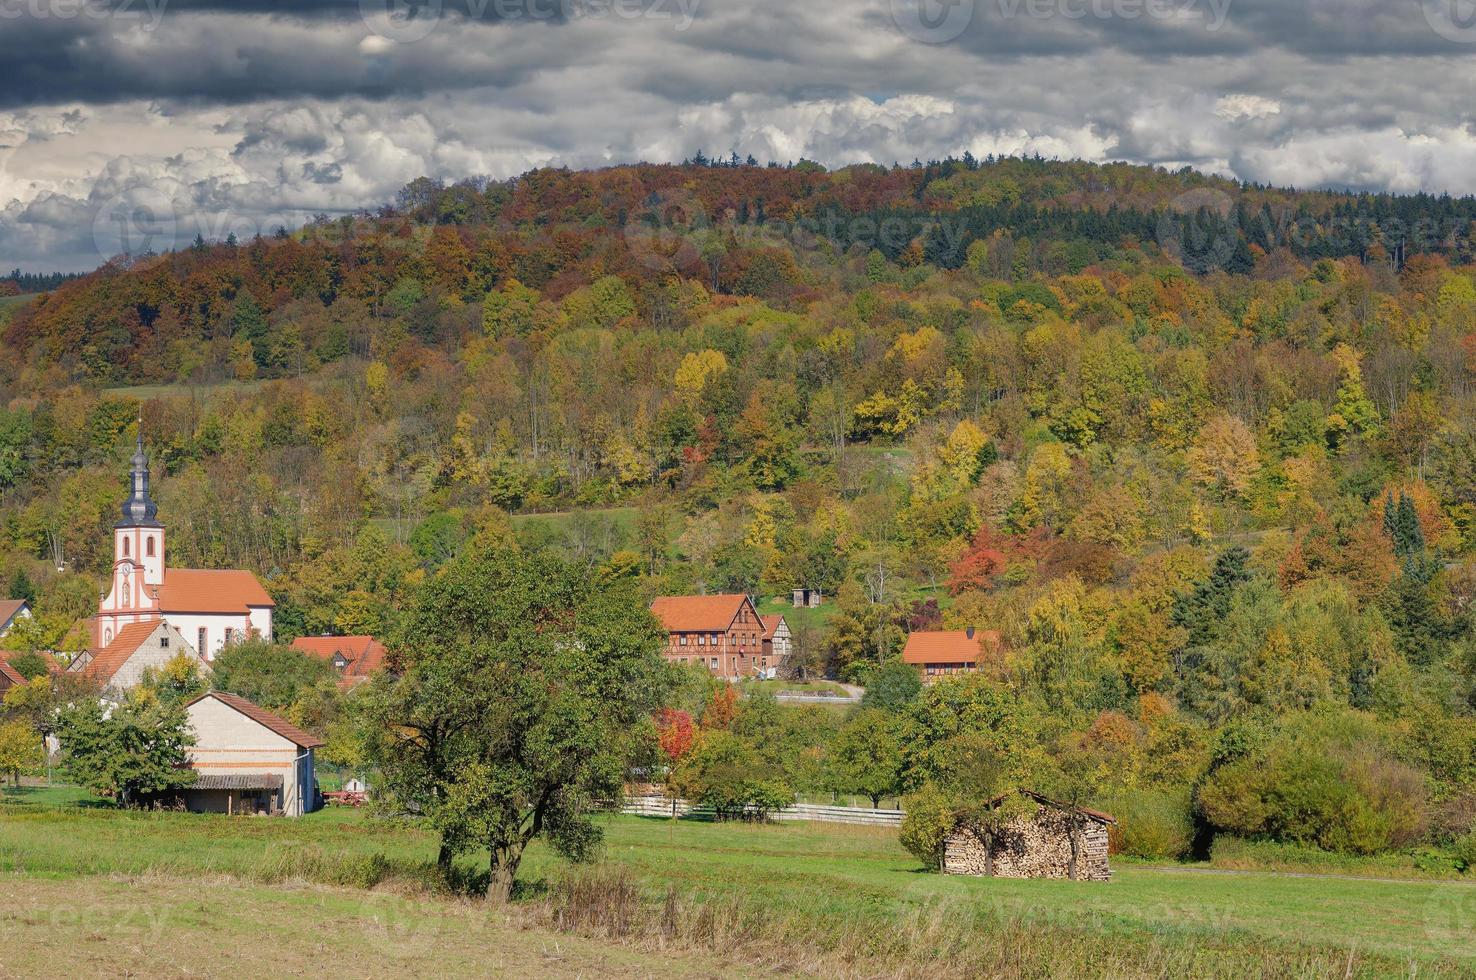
x=149, y=546
x=125, y=547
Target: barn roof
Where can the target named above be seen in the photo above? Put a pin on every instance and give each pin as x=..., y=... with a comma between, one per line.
x=771, y=625
x=237, y=780
x=694, y=613
x=264, y=718
x=947, y=646
x=1096, y=815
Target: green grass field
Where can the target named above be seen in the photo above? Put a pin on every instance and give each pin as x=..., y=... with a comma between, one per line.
x=842, y=895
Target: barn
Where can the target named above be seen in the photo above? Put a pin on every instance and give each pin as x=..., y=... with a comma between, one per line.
x=248, y=760
x=1056, y=840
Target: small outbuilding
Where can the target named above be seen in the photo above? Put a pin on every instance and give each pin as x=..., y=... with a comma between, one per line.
x=1057, y=840
x=248, y=760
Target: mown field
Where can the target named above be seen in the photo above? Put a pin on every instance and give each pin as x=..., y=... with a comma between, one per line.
x=789, y=898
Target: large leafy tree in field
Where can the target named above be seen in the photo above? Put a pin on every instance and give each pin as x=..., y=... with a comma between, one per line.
x=136, y=750
x=525, y=687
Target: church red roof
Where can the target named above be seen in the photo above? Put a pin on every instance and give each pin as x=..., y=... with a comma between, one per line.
x=199, y=590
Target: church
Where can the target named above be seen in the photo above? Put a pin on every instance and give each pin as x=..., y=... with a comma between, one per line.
x=210, y=608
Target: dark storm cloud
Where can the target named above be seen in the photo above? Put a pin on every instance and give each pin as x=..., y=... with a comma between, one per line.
x=245, y=114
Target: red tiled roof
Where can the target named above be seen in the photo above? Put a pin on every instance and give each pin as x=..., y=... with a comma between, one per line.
x=53, y=665
x=264, y=718
x=8, y=609
x=105, y=662
x=947, y=647
x=10, y=673
x=690, y=613
x=771, y=623
x=200, y=590
x=364, y=654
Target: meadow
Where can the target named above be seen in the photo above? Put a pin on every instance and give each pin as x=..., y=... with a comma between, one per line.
x=804, y=898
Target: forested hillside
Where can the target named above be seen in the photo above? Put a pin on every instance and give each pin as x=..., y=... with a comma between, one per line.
x=1204, y=453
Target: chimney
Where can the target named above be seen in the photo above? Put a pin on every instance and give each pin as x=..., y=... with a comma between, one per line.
x=969, y=632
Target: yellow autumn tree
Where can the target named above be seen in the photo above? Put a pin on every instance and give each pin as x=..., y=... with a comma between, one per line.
x=1224, y=458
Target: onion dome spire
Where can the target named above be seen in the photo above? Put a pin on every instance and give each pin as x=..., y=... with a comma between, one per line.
x=139, y=510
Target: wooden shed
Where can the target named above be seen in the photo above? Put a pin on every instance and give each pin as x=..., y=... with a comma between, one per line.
x=1056, y=841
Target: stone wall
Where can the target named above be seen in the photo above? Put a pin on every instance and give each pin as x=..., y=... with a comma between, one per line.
x=1035, y=847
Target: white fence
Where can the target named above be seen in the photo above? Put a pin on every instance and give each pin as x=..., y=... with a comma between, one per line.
x=660, y=806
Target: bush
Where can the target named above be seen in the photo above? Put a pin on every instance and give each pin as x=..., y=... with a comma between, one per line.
x=1351, y=797
x=726, y=773
x=925, y=828
x=1463, y=849
x=1150, y=824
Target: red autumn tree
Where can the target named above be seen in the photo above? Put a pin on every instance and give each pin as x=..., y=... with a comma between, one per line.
x=675, y=733
x=977, y=567
x=721, y=708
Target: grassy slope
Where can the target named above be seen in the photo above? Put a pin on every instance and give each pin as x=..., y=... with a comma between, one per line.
x=155, y=926
x=820, y=881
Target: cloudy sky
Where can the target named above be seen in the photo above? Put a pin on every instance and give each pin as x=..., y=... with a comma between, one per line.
x=213, y=116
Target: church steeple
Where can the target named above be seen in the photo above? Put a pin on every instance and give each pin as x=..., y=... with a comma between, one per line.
x=139, y=510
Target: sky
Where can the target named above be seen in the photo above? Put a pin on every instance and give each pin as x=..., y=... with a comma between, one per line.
x=128, y=123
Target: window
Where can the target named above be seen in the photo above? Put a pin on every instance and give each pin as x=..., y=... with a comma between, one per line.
x=230, y=635
x=201, y=648
x=684, y=639
x=714, y=663
x=164, y=641
x=149, y=546
x=125, y=547
x=702, y=639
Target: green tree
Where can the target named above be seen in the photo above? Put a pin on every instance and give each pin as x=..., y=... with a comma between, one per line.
x=892, y=687
x=729, y=774
x=137, y=750
x=525, y=686
x=21, y=750
x=269, y=674
x=866, y=756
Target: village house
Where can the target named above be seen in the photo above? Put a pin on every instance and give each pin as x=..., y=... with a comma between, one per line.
x=248, y=760
x=9, y=676
x=777, y=642
x=942, y=653
x=213, y=608
x=1056, y=841
x=138, y=647
x=354, y=657
x=12, y=611
x=722, y=632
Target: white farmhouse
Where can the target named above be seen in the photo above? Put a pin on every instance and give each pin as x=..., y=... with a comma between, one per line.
x=248, y=760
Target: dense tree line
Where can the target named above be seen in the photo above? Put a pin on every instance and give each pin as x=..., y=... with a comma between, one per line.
x=1202, y=453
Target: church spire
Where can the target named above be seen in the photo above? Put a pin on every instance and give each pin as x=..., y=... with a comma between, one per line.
x=139, y=510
